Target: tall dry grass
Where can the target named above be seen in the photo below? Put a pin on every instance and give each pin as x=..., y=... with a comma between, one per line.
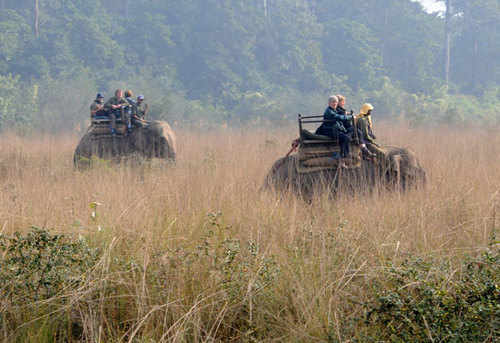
x=194, y=252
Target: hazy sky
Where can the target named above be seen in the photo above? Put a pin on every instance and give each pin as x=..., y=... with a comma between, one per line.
x=432, y=5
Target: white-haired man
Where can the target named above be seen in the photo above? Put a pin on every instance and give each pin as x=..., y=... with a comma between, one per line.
x=334, y=126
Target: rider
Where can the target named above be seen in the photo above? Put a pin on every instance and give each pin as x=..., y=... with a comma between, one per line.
x=97, y=106
x=363, y=121
x=128, y=97
x=130, y=110
x=140, y=111
x=342, y=111
x=114, y=107
x=142, y=107
x=341, y=104
x=335, y=127
x=326, y=128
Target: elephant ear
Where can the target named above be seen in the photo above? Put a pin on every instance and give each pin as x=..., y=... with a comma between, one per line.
x=158, y=136
x=412, y=159
x=282, y=173
x=396, y=167
x=404, y=163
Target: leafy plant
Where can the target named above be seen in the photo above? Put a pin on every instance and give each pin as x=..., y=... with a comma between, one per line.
x=420, y=302
x=39, y=265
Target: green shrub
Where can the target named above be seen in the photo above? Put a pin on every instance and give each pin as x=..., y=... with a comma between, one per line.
x=422, y=301
x=39, y=265
x=40, y=278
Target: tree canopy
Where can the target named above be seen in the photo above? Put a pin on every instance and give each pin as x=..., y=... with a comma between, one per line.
x=236, y=60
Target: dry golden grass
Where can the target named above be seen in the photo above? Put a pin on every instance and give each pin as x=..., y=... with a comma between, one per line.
x=149, y=214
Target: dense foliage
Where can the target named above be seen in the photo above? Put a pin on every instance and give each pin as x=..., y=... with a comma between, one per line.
x=39, y=265
x=207, y=61
x=417, y=301
x=39, y=272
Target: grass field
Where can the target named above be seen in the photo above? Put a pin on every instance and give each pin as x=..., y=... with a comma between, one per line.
x=194, y=252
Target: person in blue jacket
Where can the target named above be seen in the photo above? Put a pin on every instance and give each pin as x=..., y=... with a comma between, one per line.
x=334, y=126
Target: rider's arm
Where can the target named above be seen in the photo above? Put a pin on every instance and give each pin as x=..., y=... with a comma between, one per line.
x=94, y=108
x=332, y=115
x=344, y=116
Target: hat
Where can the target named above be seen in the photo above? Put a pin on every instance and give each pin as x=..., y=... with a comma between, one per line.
x=140, y=97
x=99, y=96
x=365, y=108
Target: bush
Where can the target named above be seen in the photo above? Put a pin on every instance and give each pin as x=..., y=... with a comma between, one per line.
x=40, y=265
x=422, y=301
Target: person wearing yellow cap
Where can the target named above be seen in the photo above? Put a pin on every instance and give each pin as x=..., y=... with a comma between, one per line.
x=364, y=126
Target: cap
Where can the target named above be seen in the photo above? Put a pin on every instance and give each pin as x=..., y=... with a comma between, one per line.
x=99, y=96
x=140, y=97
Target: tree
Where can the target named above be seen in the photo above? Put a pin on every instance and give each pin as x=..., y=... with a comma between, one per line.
x=14, y=32
x=447, y=43
x=239, y=58
x=36, y=23
x=476, y=48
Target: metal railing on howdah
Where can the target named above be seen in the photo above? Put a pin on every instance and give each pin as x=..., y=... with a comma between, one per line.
x=312, y=119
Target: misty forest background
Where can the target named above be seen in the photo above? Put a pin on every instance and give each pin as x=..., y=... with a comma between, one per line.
x=217, y=62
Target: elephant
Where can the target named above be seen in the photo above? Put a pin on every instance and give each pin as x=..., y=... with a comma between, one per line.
x=154, y=140
x=396, y=169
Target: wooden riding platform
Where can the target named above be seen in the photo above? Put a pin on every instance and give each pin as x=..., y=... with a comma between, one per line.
x=318, y=152
x=101, y=127
x=104, y=143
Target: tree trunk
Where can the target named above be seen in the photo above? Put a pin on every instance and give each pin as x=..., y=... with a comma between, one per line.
x=36, y=28
x=475, y=68
x=447, y=43
x=385, y=35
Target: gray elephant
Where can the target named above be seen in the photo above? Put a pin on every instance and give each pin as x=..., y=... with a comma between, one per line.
x=154, y=140
x=397, y=168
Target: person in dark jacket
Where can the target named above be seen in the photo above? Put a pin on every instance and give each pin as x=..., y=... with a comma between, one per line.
x=130, y=109
x=97, y=107
x=326, y=128
x=114, y=107
x=340, y=107
x=128, y=96
x=335, y=126
x=342, y=111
